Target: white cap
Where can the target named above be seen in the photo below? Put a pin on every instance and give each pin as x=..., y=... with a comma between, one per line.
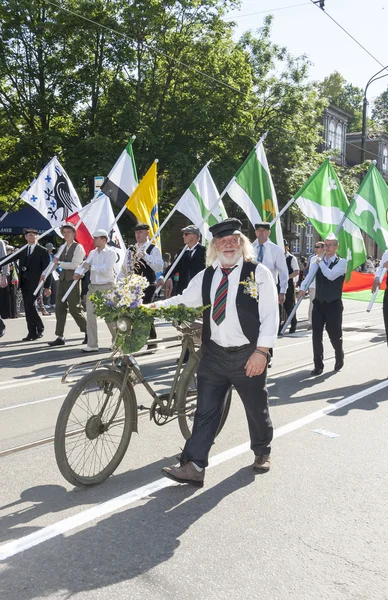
x=331, y=237
x=101, y=233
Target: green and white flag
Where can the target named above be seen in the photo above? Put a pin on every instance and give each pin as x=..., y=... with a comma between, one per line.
x=122, y=180
x=369, y=208
x=198, y=199
x=253, y=190
x=323, y=201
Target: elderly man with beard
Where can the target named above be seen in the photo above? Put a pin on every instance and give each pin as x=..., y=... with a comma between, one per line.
x=238, y=331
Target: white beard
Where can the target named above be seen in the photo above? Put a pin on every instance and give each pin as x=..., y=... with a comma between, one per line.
x=229, y=261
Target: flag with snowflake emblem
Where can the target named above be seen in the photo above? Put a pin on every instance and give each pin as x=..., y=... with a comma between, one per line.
x=52, y=194
x=323, y=201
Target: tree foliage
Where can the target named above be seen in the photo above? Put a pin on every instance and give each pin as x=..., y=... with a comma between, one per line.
x=345, y=95
x=380, y=111
x=168, y=71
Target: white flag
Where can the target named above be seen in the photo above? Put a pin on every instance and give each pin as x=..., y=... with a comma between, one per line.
x=198, y=199
x=52, y=194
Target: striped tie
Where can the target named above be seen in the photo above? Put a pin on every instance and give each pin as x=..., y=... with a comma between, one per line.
x=219, y=305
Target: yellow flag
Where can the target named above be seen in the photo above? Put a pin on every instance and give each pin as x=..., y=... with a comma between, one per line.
x=143, y=203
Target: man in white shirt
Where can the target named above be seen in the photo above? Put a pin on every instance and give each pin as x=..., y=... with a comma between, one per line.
x=319, y=250
x=70, y=259
x=272, y=257
x=376, y=284
x=329, y=271
x=238, y=330
x=100, y=262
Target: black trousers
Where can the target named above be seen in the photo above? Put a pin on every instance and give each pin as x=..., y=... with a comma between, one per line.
x=331, y=316
x=34, y=322
x=385, y=312
x=148, y=295
x=218, y=370
x=289, y=303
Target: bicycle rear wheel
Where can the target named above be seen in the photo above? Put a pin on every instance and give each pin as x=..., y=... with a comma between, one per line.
x=186, y=400
x=88, y=448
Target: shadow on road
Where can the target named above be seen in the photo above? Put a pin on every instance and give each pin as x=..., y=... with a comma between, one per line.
x=118, y=548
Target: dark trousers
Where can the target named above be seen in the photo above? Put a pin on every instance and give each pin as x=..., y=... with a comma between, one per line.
x=148, y=295
x=72, y=305
x=218, y=370
x=331, y=316
x=2, y=325
x=385, y=312
x=289, y=303
x=34, y=322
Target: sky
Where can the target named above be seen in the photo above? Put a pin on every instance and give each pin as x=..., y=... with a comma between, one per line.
x=305, y=29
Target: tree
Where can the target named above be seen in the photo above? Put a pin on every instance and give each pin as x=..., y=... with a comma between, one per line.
x=345, y=95
x=380, y=111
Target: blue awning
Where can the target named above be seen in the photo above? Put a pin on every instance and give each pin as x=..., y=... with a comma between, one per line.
x=17, y=220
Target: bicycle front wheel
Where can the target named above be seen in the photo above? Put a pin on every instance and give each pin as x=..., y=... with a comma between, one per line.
x=90, y=439
x=186, y=400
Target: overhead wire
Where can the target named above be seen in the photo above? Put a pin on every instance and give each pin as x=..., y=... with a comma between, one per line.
x=349, y=34
x=268, y=11
x=198, y=71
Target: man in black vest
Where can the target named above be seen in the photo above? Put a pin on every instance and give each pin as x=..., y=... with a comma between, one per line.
x=293, y=271
x=32, y=261
x=146, y=260
x=330, y=272
x=192, y=262
x=71, y=257
x=238, y=330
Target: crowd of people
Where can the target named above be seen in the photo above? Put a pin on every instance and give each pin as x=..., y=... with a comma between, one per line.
x=249, y=291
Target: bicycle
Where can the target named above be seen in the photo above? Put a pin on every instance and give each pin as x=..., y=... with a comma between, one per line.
x=100, y=412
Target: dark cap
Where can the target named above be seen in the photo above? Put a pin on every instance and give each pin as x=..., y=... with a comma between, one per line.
x=285, y=243
x=30, y=230
x=191, y=229
x=227, y=227
x=142, y=227
x=263, y=225
x=70, y=226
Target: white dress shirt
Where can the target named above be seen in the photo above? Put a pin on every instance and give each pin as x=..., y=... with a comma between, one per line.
x=229, y=332
x=154, y=259
x=78, y=257
x=379, y=272
x=331, y=274
x=275, y=261
x=313, y=260
x=294, y=265
x=101, y=266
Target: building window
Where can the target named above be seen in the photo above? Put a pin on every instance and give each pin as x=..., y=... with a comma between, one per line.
x=309, y=238
x=331, y=138
x=338, y=138
x=296, y=241
x=385, y=159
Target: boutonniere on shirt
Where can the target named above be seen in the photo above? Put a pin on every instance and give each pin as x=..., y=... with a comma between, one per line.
x=251, y=287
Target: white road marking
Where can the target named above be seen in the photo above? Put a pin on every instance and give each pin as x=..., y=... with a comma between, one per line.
x=70, y=523
x=33, y=402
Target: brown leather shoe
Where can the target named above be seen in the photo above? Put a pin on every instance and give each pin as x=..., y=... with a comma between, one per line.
x=262, y=463
x=187, y=473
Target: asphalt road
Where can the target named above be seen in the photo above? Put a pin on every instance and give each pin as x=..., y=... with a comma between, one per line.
x=314, y=527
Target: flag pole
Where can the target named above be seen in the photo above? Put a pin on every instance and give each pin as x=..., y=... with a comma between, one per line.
x=42, y=235
x=74, y=283
x=172, y=211
x=10, y=210
x=48, y=270
x=372, y=300
x=281, y=212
